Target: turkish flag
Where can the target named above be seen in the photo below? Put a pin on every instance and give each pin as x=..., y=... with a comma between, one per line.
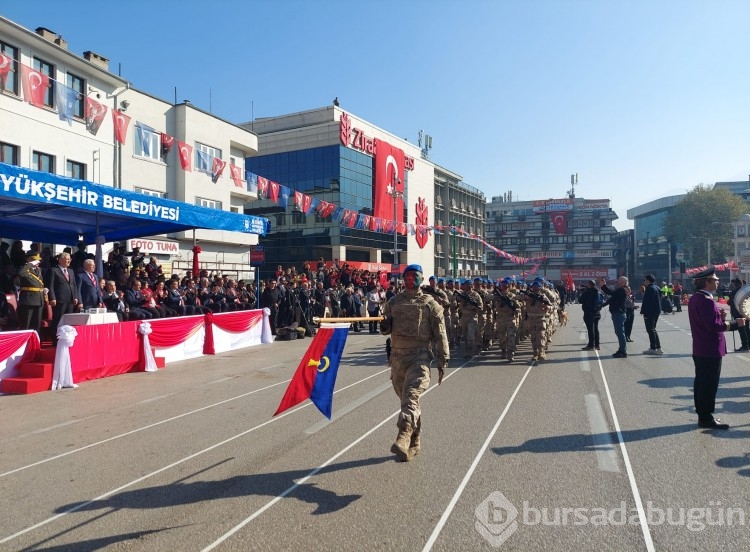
x=6, y=66
x=217, y=167
x=389, y=178
x=121, y=122
x=186, y=154
x=560, y=221
x=263, y=185
x=236, y=173
x=167, y=142
x=34, y=85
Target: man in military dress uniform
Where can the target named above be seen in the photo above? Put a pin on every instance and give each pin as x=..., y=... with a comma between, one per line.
x=415, y=322
x=31, y=296
x=707, y=326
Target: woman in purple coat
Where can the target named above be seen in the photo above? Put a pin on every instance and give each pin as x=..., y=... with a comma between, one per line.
x=707, y=325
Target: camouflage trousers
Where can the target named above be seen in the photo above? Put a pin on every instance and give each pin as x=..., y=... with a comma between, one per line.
x=470, y=334
x=538, y=332
x=410, y=376
x=505, y=331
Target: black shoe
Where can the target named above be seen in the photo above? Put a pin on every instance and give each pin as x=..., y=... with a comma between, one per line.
x=588, y=348
x=598, y=348
x=620, y=354
x=713, y=423
x=741, y=350
x=628, y=340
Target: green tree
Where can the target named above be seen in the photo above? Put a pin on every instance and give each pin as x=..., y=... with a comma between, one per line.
x=705, y=213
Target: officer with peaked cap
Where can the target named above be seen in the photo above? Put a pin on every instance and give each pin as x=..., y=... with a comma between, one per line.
x=708, y=326
x=415, y=322
x=31, y=296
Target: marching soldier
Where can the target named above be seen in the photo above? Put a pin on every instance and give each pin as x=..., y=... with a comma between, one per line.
x=507, y=310
x=537, y=307
x=415, y=322
x=469, y=307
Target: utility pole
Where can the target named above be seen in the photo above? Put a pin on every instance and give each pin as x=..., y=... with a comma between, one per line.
x=454, y=224
x=396, y=195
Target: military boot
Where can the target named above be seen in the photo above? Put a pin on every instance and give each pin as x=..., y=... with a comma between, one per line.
x=401, y=447
x=414, y=446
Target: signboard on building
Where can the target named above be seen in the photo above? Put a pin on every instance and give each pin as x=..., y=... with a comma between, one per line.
x=154, y=247
x=592, y=205
x=584, y=273
x=601, y=253
x=257, y=255
x=552, y=205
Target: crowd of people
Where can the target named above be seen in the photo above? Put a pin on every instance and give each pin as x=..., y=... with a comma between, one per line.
x=132, y=286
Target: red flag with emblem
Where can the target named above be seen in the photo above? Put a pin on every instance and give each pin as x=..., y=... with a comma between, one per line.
x=121, y=122
x=560, y=222
x=186, y=154
x=389, y=179
x=34, y=85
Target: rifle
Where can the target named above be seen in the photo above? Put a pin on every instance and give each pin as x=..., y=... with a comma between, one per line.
x=537, y=297
x=465, y=297
x=505, y=300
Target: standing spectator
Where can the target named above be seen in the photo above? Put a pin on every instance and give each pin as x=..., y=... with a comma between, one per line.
x=347, y=307
x=88, y=287
x=616, y=303
x=17, y=255
x=63, y=291
x=76, y=260
x=650, y=309
x=4, y=257
x=677, y=290
x=591, y=303
x=373, y=308
x=707, y=326
x=31, y=294
x=270, y=300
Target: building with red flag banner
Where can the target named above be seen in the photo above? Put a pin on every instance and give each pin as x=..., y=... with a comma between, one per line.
x=574, y=237
x=351, y=191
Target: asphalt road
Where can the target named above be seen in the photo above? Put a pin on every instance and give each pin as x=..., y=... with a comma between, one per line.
x=559, y=455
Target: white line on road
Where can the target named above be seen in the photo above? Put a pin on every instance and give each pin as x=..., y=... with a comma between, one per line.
x=182, y=460
x=152, y=399
x=605, y=447
x=474, y=464
x=628, y=467
x=348, y=408
x=222, y=379
x=584, y=362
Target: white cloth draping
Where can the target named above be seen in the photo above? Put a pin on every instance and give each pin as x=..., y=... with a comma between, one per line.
x=266, y=336
x=62, y=376
x=145, y=329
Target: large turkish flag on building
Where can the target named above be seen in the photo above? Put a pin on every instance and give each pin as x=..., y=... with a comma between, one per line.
x=389, y=177
x=560, y=222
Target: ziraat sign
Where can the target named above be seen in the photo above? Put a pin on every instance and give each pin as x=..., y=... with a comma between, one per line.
x=153, y=246
x=355, y=138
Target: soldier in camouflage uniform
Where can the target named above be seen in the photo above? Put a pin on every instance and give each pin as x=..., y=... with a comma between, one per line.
x=451, y=290
x=537, y=306
x=469, y=306
x=507, y=310
x=415, y=322
x=447, y=310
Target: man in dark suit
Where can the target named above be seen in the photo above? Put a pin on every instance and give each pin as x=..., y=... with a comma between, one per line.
x=31, y=294
x=63, y=291
x=707, y=326
x=88, y=287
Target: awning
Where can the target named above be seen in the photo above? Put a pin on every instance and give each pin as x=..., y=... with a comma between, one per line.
x=44, y=207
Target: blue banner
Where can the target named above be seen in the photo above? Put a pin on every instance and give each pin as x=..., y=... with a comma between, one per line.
x=38, y=187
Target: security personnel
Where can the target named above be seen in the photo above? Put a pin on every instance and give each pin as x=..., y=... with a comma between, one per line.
x=707, y=326
x=469, y=306
x=31, y=297
x=507, y=311
x=416, y=324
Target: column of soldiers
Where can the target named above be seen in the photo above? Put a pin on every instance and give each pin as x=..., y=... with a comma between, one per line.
x=480, y=314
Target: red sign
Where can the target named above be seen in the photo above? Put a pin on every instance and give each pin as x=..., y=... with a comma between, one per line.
x=584, y=273
x=257, y=255
x=356, y=138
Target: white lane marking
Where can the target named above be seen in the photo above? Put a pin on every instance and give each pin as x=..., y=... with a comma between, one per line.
x=182, y=460
x=269, y=367
x=348, y=408
x=583, y=335
x=152, y=399
x=628, y=467
x=584, y=362
x=452, y=504
x=58, y=426
x=604, y=446
x=301, y=481
x=222, y=379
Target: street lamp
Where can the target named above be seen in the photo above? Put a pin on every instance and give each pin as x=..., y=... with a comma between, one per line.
x=396, y=195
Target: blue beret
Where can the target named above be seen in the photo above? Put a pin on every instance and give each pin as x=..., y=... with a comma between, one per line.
x=413, y=268
x=441, y=280
x=477, y=279
x=431, y=278
x=449, y=281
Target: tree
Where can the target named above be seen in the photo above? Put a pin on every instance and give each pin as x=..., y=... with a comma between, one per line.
x=705, y=213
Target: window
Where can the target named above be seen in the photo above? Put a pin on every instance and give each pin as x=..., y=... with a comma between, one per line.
x=47, y=69
x=43, y=162
x=204, y=157
x=210, y=203
x=11, y=81
x=234, y=209
x=152, y=193
x=76, y=170
x=8, y=153
x=147, y=142
x=298, y=217
x=79, y=85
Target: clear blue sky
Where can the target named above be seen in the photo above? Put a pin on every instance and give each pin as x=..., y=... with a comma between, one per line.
x=642, y=99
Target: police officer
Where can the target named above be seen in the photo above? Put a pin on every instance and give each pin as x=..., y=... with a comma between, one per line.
x=415, y=322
